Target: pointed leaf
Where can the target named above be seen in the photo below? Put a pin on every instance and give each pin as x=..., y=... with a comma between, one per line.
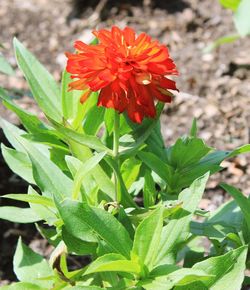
x=30, y=121
x=226, y=219
x=147, y=238
x=78, y=246
x=186, y=151
x=85, y=168
x=242, y=201
x=47, y=175
x=46, y=213
x=140, y=133
x=81, y=219
x=114, y=263
x=43, y=86
x=149, y=191
x=157, y=165
x=18, y=215
x=22, y=286
x=38, y=199
x=18, y=162
x=71, y=105
x=228, y=270
x=177, y=230
x=96, y=177
x=31, y=267
x=90, y=141
x=177, y=278
x=130, y=169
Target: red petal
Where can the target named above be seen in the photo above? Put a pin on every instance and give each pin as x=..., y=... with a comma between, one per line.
x=106, y=75
x=105, y=99
x=81, y=46
x=167, y=84
x=135, y=113
x=129, y=35
x=97, y=84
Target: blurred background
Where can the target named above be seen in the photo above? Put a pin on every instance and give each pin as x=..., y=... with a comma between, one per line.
x=214, y=83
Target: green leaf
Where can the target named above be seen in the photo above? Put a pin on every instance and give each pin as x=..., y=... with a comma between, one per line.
x=177, y=230
x=43, y=86
x=226, y=219
x=31, y=267
x=179, y=277
x=97, y=176
x=155, y=143
x=22, y=286
x=84, y=288
x=109, y=117
x=81, y=219
x=193, y=252
x=11, y=132
x=123, y=195
x=210, y=162
x=89, y=104
x=114, y=263
x=130, y=169
x=126, y=222
x=131, y=143
x=85, y=168
x=5, y=66
x=77, y=246
x=90, y=141
x=18, y=162
x=72, y=214
x=241, y=18
x=242, y=201
x=149, y=191
x=50, y=179
x=227, y=270
x=50, y=234
x=47, y=138
x=157, y=165
x=38, y=199
x=94, y=120
x=147, y=238
x=193, y=130
x=186, y=151
x=18, y=215
x=30, y=121
x=232, y=4
x=240, y=150
x=196, y=285
x=71, y=106
x=48, y=214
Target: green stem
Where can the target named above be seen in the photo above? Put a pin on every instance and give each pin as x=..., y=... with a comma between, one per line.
x=116, y=150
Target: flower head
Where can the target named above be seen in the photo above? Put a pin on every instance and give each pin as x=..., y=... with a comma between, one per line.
x=129, y=71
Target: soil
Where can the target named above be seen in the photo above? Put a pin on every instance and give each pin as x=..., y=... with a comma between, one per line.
x=214, y=87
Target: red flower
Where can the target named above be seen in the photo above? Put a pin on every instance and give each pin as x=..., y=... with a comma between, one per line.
x=129, y=71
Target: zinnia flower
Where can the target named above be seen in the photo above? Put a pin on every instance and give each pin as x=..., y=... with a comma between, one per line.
x=129, y=71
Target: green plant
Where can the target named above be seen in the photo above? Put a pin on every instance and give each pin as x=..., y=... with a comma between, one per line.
x=119, y=197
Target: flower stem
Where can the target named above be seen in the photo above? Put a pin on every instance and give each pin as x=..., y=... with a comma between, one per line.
x=116, y=150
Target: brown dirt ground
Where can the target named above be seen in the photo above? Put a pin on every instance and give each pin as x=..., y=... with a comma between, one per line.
x=214, y=87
